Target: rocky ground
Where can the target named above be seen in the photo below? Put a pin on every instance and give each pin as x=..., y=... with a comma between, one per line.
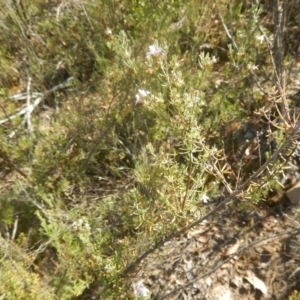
x=234, y=255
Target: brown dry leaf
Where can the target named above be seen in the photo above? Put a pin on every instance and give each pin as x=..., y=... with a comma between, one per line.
x=220, y=292
x=226, y=265
x=202, y=239
x=208, y=281
x=256, y=282
x=196, y=232
x=270, y=223
x=178, y=281
x=232, y=249
x=272, y=248
x=195, y=249
x=223, y=275
x=237, y=281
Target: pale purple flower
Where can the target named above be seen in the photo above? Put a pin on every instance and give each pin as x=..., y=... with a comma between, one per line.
x=154, y=51
x=140, y=290
x=214, y=60
x=205, y=198
x=261, y=38
x=140, y=95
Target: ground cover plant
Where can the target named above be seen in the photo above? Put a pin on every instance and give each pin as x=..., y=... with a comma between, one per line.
x=131, y=130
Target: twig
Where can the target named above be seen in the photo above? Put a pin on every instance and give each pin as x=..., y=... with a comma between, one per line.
x=187, y=185
x=29, y=108
x=284, y=110
x=235, y=46
x=277, y=69
x=23, y=96
x=87, y=16
x=5, y=157
x=27, y=115
x=14, y=232
x=58, y=11
x=226, y=29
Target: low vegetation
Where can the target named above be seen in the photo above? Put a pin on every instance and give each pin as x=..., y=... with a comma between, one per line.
x=126, y=124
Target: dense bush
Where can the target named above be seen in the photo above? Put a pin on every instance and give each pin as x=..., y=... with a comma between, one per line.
x=146, y=131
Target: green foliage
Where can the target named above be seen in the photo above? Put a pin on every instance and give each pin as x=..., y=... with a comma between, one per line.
x=127, y=154
x=295, y=296
x=17, y=282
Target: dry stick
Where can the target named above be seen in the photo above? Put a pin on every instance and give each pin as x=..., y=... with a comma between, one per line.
x=5, y=157
x=31, y=107
x=221, y=176
x=218, y=266
x=277, y=46
x=258, y=147
x=27, y=115
x=15, y=228
x=285, y=111
x=87, y=16
x=278, y=21
x=227, y=201
x=279, y=85
x=187, y=186
x=226, y=29
x=23, y=96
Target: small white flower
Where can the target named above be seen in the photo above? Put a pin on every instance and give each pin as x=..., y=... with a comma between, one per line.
x=74, y=224
x=108, y=268
x=143, y=93
x=154, y=51
x=108, y=31
x=205, y=199
x=140, y=290
x=87, y=226
x=140, y=95
x=261, y=38
x=81, y=224
x=252, y=67
x=214, y=60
